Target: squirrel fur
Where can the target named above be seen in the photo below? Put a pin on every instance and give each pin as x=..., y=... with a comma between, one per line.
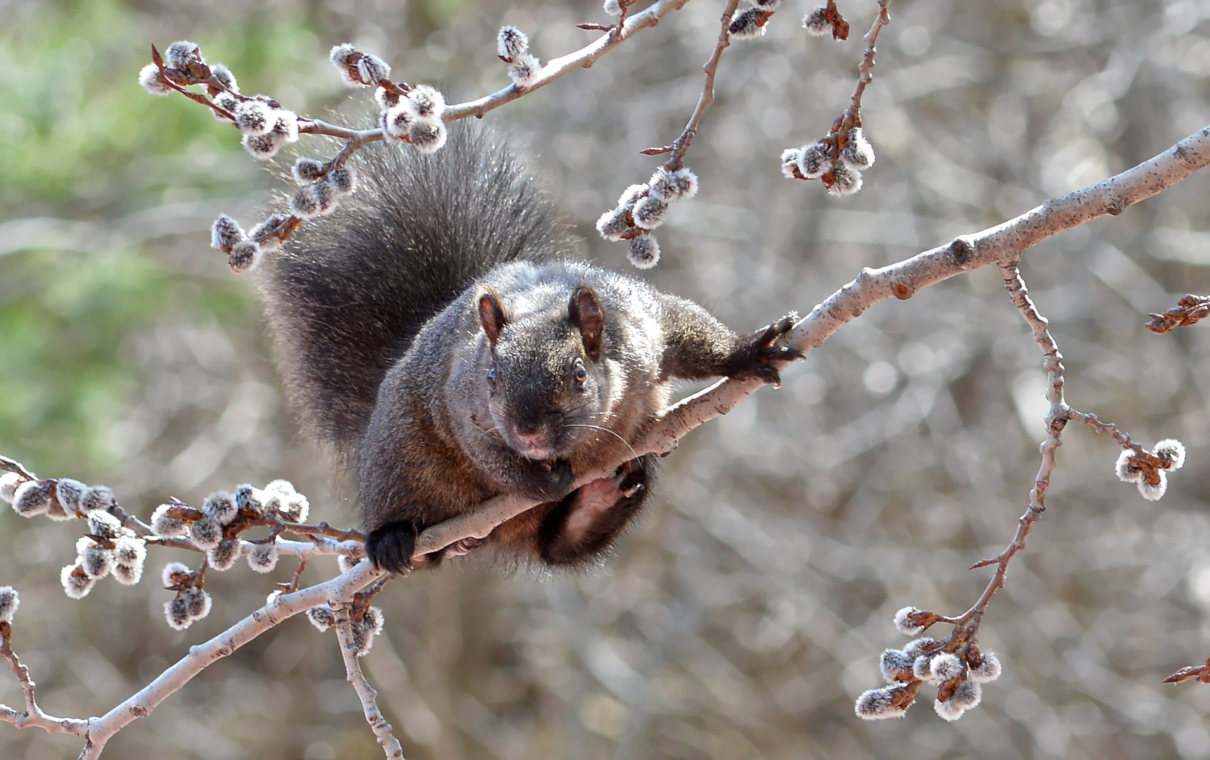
x=438, y=333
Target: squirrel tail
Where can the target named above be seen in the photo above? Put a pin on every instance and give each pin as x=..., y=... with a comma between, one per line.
x=347, y=294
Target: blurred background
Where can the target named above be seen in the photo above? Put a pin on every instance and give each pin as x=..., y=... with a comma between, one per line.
x=748, y=609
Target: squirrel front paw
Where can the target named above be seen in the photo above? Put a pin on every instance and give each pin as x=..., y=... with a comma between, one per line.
x=761, y=355
x=390, y=547
x=549, y=481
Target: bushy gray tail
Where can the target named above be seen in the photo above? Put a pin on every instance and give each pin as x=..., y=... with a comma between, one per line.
x=349, y=292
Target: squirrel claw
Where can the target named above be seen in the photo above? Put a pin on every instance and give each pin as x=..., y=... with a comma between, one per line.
x=390, y=547
x=761, y=356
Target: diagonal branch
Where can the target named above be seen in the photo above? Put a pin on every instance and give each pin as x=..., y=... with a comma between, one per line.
x=998, y=245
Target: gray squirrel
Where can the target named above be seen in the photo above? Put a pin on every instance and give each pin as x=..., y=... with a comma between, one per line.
x=436, y=334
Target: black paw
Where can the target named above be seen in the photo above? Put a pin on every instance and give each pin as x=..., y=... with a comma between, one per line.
x=762, y=354
x=390, y=547
x=550, y=480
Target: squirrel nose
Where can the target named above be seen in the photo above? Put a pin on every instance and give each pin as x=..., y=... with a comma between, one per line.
x=531, y=434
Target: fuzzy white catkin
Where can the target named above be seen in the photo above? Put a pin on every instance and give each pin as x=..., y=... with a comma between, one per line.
x=746, y=25
x=180, y=53
x=220, y=506
x=10, y=600
x=1153, y=491
x=917, y=647
x=989, y=670
x=967, y=696
x=176, y=613
x=903, y=622
x=371, y=68
x=263, y=147
x=845, y=180
x=129, y=550
x=151, y=81
x=342, y=180
x=340, y=54
x=173, y=569
x=511, y=42
x=8, y=486
x=946, y=666
x=245, y=256
x=1172, y=450
x=99, y=498
x=103, y=524
x=248, y=497
x=895, y=665
x=254, y=117
x=524, y=69
x=164, y=524
x=922, y=668
x=224, y=76
x=858, y=153
x=197, y=602
x=789, y=162
x=612, y=8
x=223, y=556
x=1124, y=467
x=206, y=533
x=128, y=575
x=631, y=195
x=948, y=710
x=650, y=212
x=322, y=617
x=427, y=135
x=96, y=561
x=32, y=498
x=879, y=704
x=308, y=170
x=425, y=102
x=69, y=493
x=612, y=224
x=814, y=160
x=816, y=22
x=263, y=557
x=76, y=584
x=644, y=252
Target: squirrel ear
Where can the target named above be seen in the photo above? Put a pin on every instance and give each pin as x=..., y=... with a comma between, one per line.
x=586, y=313
x=492, y=314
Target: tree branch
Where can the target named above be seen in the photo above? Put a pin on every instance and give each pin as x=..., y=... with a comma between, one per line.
x=1002, y=243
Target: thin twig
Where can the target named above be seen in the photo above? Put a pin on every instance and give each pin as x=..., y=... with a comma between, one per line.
x=366, y=693
x=32, y=716
x=681, y=144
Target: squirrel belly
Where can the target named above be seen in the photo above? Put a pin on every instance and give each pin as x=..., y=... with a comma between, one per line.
x=437, y=334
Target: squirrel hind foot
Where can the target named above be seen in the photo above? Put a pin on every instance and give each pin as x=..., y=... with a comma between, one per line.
x=391, y=546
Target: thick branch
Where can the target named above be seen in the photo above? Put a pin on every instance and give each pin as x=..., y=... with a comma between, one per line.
x=995, y=245
x=339, y=589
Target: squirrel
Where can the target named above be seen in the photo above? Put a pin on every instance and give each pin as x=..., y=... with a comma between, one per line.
x=438, y=334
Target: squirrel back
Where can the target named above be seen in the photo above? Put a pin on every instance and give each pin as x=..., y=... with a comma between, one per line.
x=348, y=293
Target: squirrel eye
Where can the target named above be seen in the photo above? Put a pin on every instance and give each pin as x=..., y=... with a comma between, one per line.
x=491, y=375
x=581, y=374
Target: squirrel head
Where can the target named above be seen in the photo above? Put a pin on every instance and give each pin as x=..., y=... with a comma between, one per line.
x=547, y=379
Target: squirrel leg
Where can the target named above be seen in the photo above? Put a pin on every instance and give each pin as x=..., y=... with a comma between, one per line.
x=697, y=345
x=586, y=522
